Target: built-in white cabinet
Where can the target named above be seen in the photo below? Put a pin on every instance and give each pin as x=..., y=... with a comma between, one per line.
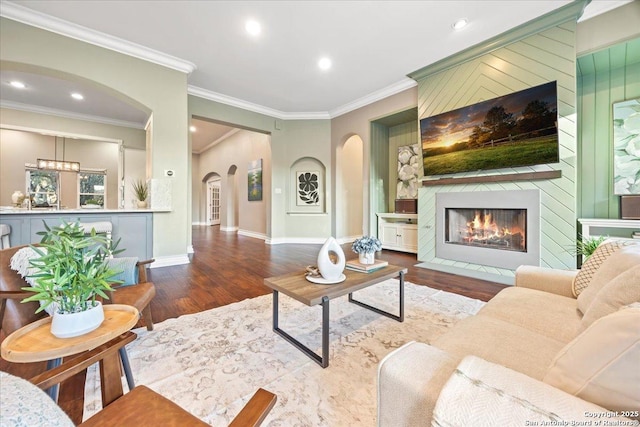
x=599, y=227
x=398, y=232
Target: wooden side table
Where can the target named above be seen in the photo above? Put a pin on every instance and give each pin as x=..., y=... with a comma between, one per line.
x=35, y=343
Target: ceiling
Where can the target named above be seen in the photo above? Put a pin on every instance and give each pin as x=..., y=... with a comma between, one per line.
x=373, y=45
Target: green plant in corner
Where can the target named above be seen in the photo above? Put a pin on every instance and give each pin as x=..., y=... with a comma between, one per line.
x=586, y=246
x=72, y=268
x=140, y=189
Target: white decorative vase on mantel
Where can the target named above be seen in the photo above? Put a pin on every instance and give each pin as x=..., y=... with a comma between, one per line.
x=68, y=325
x=367, y=258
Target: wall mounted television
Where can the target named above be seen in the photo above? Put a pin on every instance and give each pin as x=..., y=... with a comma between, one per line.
x=519, y=129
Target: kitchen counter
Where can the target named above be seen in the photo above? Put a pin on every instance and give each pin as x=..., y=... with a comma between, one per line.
x=9, y=210
x=134, y=227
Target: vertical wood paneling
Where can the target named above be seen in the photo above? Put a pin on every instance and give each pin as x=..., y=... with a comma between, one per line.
x=379, y=173
x=540, y=58
x=602, y=82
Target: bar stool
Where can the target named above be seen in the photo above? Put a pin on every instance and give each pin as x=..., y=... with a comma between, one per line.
x=5, y=230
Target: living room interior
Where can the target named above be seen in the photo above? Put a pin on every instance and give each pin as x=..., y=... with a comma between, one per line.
x=353, y=148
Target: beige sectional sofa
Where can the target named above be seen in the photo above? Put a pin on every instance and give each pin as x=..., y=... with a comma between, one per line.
x=558, y=347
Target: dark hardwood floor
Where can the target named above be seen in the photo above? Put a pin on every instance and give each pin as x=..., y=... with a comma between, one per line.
x=227, y=268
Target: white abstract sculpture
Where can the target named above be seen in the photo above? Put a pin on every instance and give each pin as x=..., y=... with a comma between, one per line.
x=331, y=260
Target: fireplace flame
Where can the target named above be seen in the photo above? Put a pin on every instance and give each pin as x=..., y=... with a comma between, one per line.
x=484, y=229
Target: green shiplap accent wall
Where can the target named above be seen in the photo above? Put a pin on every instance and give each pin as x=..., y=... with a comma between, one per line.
x=547, y=55
x=399, y=136
x=379, y=172
x=604, y=77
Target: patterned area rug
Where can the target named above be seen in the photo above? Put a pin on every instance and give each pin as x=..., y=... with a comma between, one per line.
x=212, y=362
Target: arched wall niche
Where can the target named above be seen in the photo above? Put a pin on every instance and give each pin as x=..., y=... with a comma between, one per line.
x=349, y=201
x=307, y=177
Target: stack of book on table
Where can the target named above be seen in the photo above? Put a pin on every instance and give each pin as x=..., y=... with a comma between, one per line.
x=366, y=268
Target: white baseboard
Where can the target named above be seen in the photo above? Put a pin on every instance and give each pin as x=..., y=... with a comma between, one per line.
x=308, y=240
x=348, y=239
x=252, y=234
x=190, y=249
x=229, y=229
x=167, y=261
x=198, y=223
x=297, y=240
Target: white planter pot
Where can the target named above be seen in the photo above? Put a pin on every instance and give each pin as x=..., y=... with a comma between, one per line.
x=142, y=204
x=367, y=258
x=75, y=324
x=331, y=260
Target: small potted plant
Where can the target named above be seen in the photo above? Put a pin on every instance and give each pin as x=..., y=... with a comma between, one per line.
x=365, y=247
x=71, y=271
x=141, y=191
x=586, y=246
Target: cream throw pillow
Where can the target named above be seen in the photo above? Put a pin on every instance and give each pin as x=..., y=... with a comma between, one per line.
x=623, y=290
x=617, y=263
x=593, y=263
x=601, y=364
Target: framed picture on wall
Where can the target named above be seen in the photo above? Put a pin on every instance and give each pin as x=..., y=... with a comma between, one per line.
x=254, y=177
x=307, y=191
x=626, y=147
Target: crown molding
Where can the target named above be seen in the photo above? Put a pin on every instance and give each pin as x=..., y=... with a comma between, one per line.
x=319, y=115
x=378, y=95
x=219, y=140
x=594, y=9
x=68, y=114
x=256, y=108
x=569, y=12
x=46, y=22
x=55, y=133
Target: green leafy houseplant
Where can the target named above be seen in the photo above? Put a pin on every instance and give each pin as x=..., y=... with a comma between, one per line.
x=71, y=268
x=587, y=246
x=366, y=244
x=140, y=189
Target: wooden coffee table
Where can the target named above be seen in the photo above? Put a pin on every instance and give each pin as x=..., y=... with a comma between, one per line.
x=296, y=286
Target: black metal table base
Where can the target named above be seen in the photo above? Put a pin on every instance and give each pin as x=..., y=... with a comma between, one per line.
x=324, y=359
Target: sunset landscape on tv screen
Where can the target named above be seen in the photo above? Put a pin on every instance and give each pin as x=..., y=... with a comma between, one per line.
x=519, y=129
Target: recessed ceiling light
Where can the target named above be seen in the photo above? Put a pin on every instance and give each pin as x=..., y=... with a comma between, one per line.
x=253, y=27
x=192, y=128
x=460, y=24
x=78, y=96
x=17, y=84
x=324, y=63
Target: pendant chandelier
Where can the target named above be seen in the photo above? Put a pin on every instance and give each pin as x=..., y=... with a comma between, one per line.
x=58, y=165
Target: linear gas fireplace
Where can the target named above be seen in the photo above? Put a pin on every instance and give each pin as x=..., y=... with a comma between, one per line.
x=503, y=229
x=493, y=228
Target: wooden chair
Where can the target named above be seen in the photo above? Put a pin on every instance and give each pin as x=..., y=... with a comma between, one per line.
x=138, y=295
x=14, y=314
x=142, y=406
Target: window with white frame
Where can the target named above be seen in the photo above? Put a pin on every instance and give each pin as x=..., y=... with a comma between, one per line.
x=92, y=189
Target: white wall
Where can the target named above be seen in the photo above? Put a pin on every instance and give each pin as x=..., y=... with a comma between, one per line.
x=237, y=150
x=19, y=147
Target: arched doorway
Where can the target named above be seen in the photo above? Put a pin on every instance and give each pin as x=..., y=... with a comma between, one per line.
x=213, y=198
